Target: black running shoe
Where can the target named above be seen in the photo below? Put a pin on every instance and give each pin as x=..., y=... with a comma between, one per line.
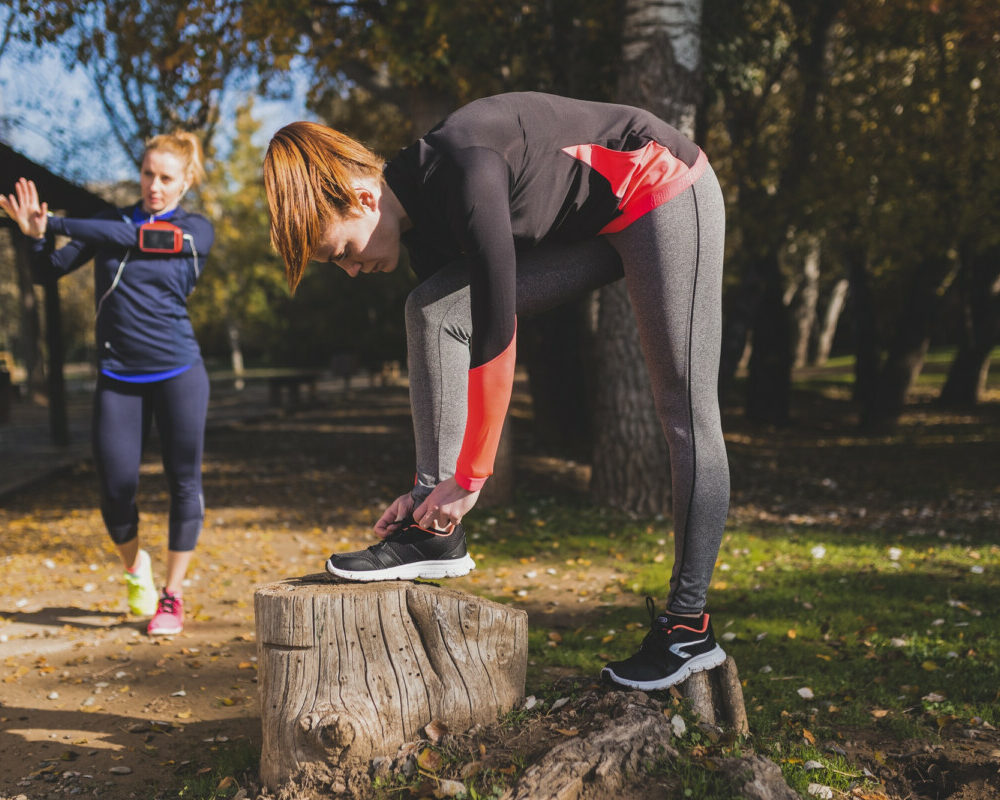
x=408, y=552
x=674, y=648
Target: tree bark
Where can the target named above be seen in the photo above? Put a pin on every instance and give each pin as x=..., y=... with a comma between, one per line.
x=30, y=318
x=769, y=377
x=58, y=419
x=554, y=347
x=661, y=59
x=716, y=696
x=828, y=330
x=631, y=470
x=350, y=671
x=499, y=489
x=908, y=347
x=866, y=341
x=980, y=289
x=807, y=302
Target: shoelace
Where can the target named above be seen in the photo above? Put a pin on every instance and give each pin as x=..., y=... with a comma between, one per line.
x=168, y=603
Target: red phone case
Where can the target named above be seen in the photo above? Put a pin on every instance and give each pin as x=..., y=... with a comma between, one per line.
x=160, y=237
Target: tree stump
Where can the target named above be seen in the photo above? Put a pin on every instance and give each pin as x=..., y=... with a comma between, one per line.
x=350, y=671
x=716, y=696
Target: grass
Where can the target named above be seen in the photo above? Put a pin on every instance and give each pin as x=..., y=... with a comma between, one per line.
x=880, y=625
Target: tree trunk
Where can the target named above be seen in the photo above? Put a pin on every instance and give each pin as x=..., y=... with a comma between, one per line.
x=30, y=319
x=661, y=59
x=349, y=671
x=866, y=342
x=808, y=300
x=236, y=354
x=769, y=378
x=58, y=420
x=554, y=347
x=716, y=696
x=980, y=290
x=631, y=470
x=908, y=347
x=499, y=489
x=834, y=306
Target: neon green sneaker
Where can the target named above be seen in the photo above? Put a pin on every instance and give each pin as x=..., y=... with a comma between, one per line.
x=141, y=589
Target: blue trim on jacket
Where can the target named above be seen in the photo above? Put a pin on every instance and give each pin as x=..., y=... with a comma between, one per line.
x=140, y=298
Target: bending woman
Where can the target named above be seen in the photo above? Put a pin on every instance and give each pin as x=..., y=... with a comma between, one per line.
x=511, y=205
x=150, y=364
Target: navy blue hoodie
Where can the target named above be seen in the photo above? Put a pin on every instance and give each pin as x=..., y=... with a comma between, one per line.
x=140, y=298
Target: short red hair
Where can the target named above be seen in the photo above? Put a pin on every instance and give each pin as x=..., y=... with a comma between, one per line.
x=309, y=175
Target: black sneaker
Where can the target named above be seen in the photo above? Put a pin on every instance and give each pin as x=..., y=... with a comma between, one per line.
x=674, y=648
x=408, y=552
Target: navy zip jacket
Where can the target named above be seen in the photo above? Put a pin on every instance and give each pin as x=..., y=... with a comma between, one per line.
x=140, y=298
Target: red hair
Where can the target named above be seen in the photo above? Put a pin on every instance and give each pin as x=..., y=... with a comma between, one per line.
x=309, y=175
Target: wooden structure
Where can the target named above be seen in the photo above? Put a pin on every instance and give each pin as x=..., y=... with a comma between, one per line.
x=717, y=697
x=350, y=671
x=75, y=201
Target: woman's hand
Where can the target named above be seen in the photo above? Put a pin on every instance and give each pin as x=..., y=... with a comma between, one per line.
x=31, y=216
x=400, y=507
x=445, y=506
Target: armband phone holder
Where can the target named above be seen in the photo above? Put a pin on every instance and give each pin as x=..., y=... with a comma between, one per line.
x=160, y=237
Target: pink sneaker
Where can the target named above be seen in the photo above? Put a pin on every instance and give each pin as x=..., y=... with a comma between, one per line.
x=169, y=617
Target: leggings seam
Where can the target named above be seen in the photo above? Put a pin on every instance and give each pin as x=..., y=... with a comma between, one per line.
x=689, y=370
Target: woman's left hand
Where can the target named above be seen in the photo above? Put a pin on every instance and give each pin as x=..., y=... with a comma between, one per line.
x=444, y=507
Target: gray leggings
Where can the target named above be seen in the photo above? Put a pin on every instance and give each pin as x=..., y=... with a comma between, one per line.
x=671, y=259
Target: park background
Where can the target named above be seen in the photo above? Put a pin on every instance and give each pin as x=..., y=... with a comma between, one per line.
x=857, y=146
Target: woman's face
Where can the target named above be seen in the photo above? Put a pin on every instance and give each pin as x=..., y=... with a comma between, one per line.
x=162, y=181
x=363, y=242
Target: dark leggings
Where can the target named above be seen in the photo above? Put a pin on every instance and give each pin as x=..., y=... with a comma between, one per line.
x=123, y=413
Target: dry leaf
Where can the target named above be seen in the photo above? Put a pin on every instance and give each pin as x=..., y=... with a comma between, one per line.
x=567, y=731
x=435, y=730
x=429, y=760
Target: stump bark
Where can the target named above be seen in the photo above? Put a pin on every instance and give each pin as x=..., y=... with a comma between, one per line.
x=350, y=671
x=716, y=696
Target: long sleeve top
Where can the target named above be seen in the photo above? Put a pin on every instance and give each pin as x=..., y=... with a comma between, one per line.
x=505, y=173
x=140, y=298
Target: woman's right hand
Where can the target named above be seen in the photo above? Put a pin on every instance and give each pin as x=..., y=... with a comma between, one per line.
x=401, y=507
x=30, y=215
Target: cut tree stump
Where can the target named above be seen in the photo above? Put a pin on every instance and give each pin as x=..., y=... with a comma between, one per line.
x=716, y=696
x=350, y=671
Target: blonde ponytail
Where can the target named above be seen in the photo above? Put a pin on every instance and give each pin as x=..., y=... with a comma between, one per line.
x=186, y=146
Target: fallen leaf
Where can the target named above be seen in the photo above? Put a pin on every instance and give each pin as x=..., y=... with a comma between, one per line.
x=435, y=730
x=450, y=788
x=429, y=760
x=567, y=731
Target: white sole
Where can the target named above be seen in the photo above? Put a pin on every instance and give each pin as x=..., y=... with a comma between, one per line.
x=428, y=570
x=163, y=631
x=709, y=660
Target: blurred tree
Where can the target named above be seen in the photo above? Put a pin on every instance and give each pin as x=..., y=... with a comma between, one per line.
x=167, y=65
x=234, y=305
x=913, y=110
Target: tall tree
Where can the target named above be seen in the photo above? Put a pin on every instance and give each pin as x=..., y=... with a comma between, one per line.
x=660, y=71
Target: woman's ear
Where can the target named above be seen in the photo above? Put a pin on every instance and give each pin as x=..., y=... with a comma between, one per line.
x=367, y=197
